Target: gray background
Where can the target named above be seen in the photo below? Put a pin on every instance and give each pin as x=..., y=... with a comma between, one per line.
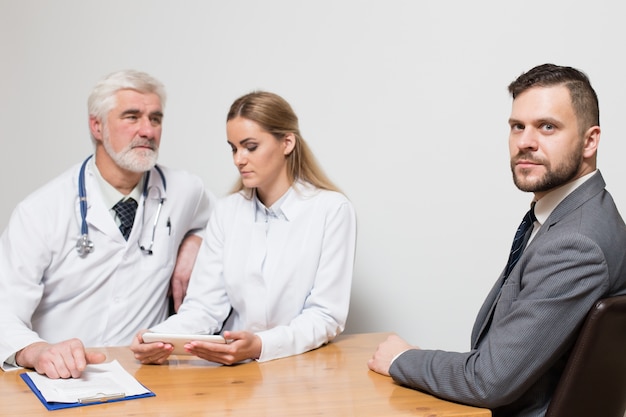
x=403, y=102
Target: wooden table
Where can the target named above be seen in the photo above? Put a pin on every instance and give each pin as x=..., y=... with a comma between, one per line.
x=331, y=381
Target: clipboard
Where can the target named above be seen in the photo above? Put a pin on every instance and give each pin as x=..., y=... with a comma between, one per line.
x=99, y=398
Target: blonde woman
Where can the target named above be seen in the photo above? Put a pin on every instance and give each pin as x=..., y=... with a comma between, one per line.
x=275, y=270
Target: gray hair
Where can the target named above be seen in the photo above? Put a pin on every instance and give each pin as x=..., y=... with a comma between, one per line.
x=102, y=98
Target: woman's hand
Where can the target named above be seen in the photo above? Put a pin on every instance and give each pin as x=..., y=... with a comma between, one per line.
x=155, y=353
x=240, y=347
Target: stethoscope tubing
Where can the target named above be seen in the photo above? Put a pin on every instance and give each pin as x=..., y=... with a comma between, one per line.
x=84, y=246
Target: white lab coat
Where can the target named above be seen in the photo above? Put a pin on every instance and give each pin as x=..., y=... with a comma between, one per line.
x=48, y=292
x=288, y=281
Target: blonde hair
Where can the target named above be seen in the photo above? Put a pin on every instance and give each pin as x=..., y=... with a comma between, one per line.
x=275, y=115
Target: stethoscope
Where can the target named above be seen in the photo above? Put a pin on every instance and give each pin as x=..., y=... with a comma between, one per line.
x=84, y=245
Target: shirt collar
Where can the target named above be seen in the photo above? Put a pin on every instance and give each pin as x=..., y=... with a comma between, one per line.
x=545, y=206
x=264, y=214
x=110, y=195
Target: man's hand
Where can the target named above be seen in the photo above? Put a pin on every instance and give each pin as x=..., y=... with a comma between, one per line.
x=386, y=352
x=66, y=359
x=185, y=260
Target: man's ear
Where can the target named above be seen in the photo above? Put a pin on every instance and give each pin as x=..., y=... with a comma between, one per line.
x=289, y=142
x=592, y=140
x=95, y=126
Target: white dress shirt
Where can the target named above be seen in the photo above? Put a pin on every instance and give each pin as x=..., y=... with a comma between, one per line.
x=285, y=272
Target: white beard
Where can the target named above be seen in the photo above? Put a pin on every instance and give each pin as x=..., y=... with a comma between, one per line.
x=131, y=157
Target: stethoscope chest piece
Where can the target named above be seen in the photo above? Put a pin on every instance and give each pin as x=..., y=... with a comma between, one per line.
x=84, y=246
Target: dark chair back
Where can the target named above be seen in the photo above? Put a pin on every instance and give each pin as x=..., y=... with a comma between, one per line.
x=594, y=380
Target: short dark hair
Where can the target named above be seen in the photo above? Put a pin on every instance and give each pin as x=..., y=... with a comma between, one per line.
x=584, y=97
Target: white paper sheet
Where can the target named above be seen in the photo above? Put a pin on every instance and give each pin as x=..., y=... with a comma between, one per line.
x=107, y=381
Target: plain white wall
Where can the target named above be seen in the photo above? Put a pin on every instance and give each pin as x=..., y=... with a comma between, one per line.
x=403, y=102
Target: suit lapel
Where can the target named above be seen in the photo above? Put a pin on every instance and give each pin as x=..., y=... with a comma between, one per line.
x=587, y=190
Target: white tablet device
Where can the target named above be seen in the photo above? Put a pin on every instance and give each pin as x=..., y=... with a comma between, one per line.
x=179, y=340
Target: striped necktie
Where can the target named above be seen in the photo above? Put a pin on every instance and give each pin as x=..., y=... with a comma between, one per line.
x=521, y=238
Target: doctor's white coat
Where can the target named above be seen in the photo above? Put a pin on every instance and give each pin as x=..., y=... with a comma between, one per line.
x=288, y=280
x=48, y=292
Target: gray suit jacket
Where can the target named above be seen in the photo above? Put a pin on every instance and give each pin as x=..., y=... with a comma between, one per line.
x=527, y=325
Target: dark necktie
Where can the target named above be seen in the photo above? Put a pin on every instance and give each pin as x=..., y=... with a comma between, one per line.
x=126, y=212
x=520, y=239
x=519, y=243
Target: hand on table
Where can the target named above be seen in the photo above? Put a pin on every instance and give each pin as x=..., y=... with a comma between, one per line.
x=386, y=352
x=66, y=359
